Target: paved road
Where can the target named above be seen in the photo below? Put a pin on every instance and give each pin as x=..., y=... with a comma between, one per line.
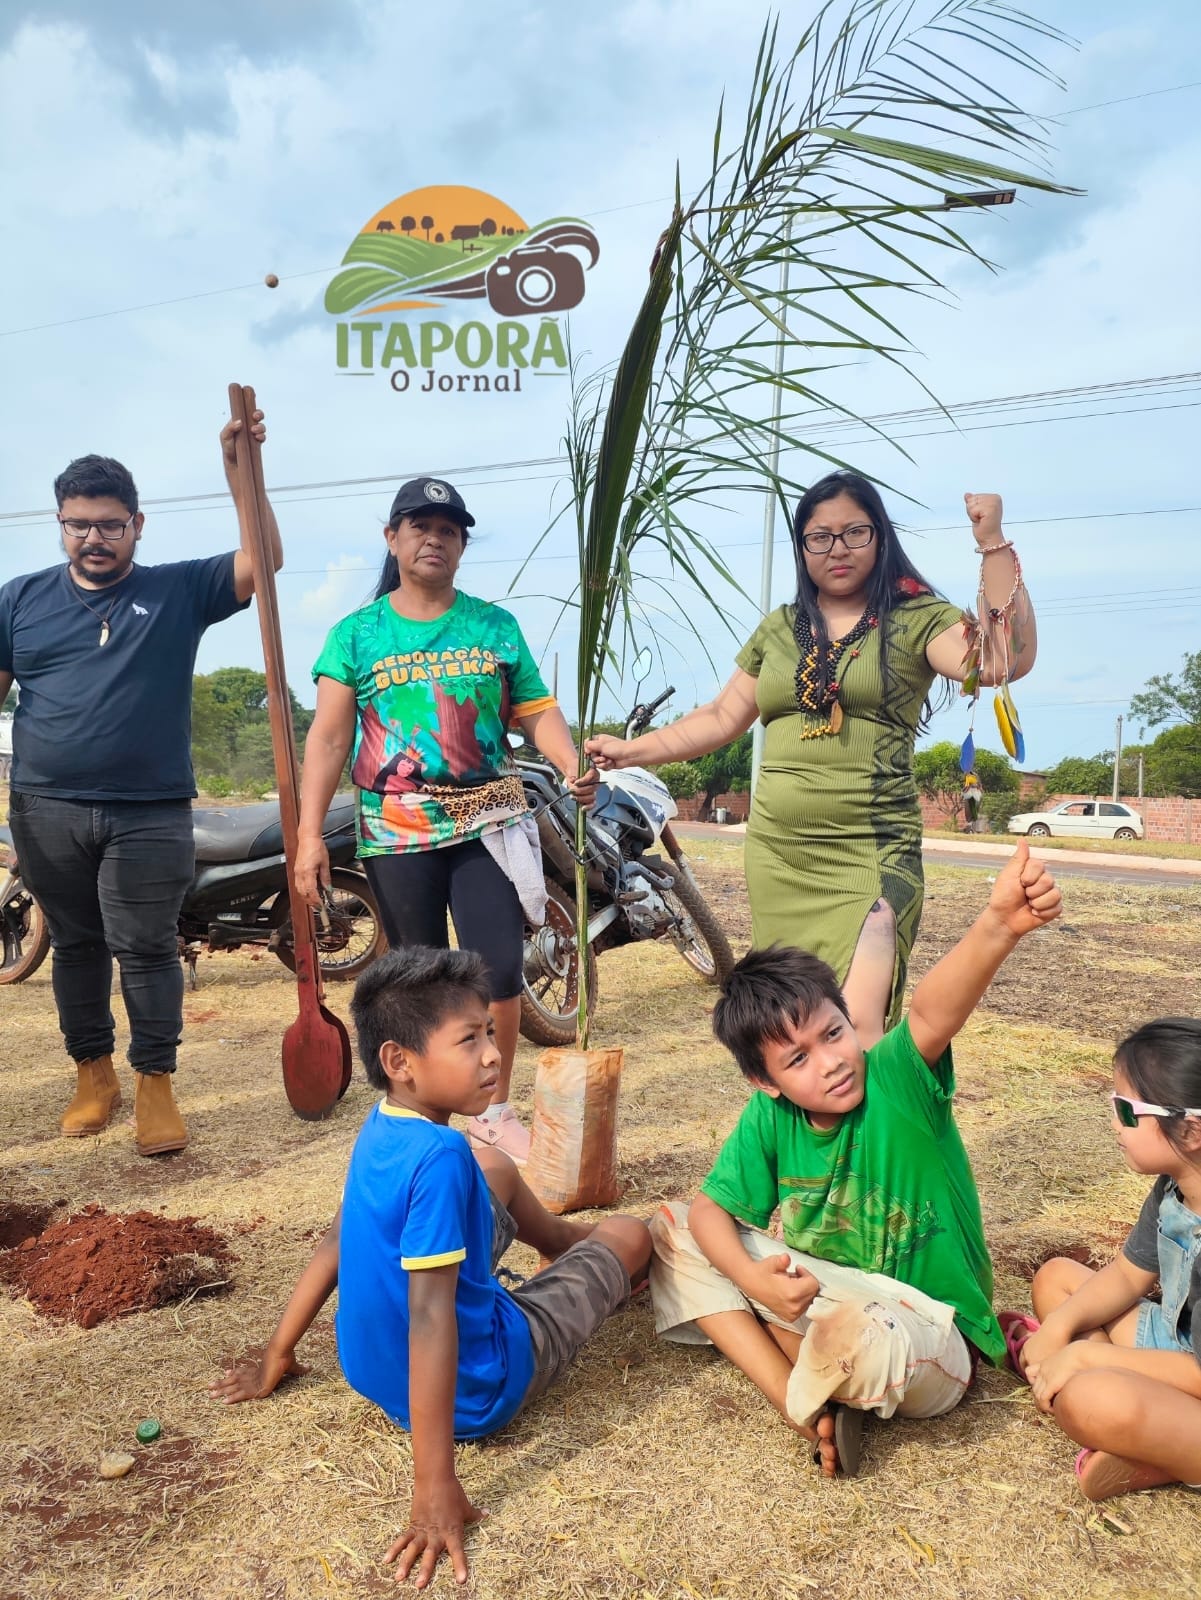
x=1101, y=868
x=1143, y=872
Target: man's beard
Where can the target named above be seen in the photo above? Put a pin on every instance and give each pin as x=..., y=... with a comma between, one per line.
x=102, y=576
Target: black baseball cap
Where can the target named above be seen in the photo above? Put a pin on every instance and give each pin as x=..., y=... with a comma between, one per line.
x=430, y=494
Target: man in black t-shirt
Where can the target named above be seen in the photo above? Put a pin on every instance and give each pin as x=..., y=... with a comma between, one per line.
x=100, y=808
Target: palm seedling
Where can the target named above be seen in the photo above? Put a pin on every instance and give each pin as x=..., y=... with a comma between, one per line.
x=723, y=375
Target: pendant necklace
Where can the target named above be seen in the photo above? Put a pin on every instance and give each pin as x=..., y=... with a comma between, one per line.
x=105, y=630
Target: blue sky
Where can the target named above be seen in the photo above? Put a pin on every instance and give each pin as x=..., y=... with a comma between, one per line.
x=172, y=154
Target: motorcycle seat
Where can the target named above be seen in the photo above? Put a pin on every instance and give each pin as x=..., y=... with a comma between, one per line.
x=251, y=833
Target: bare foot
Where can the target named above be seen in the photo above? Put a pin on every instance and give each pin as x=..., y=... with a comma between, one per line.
x=826, y=1452
x=1103, y=1475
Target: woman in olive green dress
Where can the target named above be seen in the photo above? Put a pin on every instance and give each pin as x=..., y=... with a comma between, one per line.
x=841, y=679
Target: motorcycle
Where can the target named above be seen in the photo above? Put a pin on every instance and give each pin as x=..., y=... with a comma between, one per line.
x=632, y=894
x=239, y=896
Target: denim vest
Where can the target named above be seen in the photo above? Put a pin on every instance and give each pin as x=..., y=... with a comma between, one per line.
x=1168, y=1325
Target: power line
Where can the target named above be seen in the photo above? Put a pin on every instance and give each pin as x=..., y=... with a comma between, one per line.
x=333, y=483
x=1025, y=422
x=1123, y=386
x=1147, y=94
x=1170, y=382
x=630, y=205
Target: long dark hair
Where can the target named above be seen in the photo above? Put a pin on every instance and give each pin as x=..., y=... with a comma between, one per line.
x=1162, y=1060
x=884, y=591
x=389, y=572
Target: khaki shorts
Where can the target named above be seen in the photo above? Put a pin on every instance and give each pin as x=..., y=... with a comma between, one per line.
x=565, y=1303
x=868, y=1341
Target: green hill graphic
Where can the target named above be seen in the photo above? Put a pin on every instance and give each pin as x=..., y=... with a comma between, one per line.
x=379, y=267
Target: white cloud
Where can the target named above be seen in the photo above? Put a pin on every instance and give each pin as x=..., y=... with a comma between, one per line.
x=340, y=590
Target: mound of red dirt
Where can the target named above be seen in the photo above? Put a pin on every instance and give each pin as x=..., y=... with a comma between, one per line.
x=98, y=1264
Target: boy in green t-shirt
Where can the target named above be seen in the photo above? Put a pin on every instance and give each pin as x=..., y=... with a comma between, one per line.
x=879, y=1296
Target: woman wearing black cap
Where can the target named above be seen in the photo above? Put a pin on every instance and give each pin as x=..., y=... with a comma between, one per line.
x=427, y=681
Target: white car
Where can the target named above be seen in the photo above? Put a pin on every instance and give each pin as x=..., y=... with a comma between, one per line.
x=1080, y=819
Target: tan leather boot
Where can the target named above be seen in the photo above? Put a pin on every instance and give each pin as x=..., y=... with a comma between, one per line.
x=159, y=1125
x=97, y=1096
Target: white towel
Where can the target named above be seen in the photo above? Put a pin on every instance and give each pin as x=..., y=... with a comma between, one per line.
x=518, y=853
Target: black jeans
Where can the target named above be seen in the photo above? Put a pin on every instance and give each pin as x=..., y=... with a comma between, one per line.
x=111, y=877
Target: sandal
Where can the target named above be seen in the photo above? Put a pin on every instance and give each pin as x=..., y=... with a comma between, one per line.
x=1113, y=1475
x=1016, y=1327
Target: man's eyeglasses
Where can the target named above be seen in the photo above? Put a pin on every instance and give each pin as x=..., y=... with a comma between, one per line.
x=821, y=540
x=1129, y=1111
x=77, y=528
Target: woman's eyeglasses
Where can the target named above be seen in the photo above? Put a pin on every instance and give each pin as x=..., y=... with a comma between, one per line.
x=1129, y=1111
x=821, y=540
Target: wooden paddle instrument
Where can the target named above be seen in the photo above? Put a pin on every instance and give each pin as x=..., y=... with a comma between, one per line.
x=316, y=1047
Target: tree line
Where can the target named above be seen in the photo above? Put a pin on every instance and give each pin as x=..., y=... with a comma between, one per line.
x=231, y=750
x=231, y=731
x=1171, y=762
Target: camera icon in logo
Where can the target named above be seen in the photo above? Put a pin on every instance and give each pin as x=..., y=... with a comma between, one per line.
x=533, y=279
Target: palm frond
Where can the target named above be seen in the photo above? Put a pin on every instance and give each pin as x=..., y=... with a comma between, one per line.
x=694, y=411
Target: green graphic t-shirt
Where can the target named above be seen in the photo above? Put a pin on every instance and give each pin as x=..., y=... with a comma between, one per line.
x=890, y=1189
x=435, y=700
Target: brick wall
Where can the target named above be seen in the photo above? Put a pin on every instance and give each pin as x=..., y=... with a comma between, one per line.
x=1172, y=818
x=738, y=806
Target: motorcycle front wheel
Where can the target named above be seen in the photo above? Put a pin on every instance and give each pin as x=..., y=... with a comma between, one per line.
x=698, y=935
x=355, y=936
x=23, y=929
x=551, y=975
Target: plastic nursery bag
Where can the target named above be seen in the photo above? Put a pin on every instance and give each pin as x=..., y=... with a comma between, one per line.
x=573, y=1142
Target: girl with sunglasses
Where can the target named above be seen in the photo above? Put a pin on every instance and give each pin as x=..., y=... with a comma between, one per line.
x=1120, y=1372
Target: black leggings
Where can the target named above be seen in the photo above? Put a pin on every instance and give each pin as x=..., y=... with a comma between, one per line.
x=415, y=890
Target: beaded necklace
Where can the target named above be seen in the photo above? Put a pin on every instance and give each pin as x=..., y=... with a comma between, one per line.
x=818, y=678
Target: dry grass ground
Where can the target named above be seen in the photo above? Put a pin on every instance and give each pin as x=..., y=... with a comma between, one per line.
x=656, y=1471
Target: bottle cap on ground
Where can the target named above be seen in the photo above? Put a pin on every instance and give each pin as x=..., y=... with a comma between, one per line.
x=148, y=1431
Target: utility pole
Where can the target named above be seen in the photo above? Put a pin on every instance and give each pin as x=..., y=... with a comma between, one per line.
x=1140, y=779
x=769, y=510
x=1117, y=760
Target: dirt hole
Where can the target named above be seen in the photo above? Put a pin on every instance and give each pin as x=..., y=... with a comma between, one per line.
x=20, y=1222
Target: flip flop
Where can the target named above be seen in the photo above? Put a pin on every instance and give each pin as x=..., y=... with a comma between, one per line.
x=1116, y=1475
x=1017, y=1327
x=848, y=1439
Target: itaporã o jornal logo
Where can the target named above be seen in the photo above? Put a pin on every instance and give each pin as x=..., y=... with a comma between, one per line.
x=437, y=250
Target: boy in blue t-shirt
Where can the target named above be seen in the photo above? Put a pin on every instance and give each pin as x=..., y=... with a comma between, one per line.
x=424, y=1329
